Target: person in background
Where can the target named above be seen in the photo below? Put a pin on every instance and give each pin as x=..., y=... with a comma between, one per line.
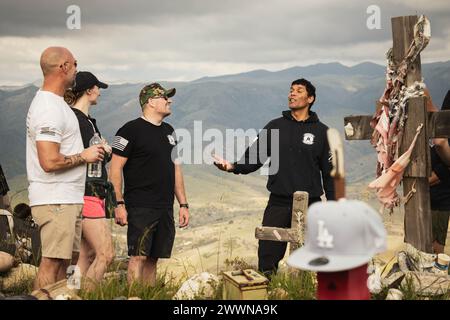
x=56, y=167
x=440, y=187
x=97, y=251
x=26, y=232
x=7, y=243
x=4, y=188
x=7, y=247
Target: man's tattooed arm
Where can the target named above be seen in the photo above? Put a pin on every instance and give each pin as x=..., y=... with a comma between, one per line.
x=63, y=162
x=52, y=160
x=74, y=160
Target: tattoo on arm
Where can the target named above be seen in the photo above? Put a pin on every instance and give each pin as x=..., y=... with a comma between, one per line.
x=74, y=160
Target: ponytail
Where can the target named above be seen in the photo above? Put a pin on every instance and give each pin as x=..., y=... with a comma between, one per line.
x=72, y=97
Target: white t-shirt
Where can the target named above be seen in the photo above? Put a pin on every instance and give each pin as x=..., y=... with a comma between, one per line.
x=51, y=119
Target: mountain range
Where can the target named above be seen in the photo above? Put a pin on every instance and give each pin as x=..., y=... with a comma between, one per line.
x=244, y=100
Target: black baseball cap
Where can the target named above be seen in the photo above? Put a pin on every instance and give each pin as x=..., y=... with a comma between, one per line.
x=85, y=80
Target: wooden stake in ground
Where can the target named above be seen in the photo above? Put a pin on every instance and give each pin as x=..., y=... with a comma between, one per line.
x=337, y=157
x=417, y=223
x=294, y=235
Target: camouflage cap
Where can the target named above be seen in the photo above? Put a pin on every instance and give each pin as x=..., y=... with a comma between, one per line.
x=154, y=90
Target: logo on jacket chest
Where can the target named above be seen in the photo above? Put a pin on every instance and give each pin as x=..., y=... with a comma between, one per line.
x=308, y=138
x=171, y=140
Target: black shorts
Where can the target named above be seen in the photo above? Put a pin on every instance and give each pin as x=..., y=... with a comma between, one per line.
x=151, y=232
x=440, y=225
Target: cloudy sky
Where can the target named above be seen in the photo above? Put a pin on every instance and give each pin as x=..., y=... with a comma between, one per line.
x=182, y=40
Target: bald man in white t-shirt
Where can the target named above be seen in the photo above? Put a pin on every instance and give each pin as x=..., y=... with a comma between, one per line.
x=56, y=167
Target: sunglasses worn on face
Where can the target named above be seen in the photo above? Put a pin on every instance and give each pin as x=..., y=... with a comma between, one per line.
x=163, y=97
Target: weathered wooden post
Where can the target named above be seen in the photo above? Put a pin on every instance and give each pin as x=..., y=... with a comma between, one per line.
x=418, y=230
x=417, y=222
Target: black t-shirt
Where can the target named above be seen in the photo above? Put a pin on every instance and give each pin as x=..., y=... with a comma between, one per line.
x=88, y=126
x=440, y=193
x=149, y=173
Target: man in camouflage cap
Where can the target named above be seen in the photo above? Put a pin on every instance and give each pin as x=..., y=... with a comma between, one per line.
x=154, y=90
x=142, y=150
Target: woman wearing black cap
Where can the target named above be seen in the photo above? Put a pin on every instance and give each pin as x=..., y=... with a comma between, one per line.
x=97, y=250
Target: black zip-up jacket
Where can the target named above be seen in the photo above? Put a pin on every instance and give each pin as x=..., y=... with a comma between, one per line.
x=304, y=157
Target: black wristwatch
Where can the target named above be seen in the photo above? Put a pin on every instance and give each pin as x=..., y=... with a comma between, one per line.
x=184, y=205
x=120, y=202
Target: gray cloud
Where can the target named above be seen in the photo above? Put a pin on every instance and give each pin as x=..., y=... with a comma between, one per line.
x=185, y=39
x=48, y=17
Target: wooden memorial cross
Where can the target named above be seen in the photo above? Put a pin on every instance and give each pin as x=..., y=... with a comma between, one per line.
x=294, y=235
x=417, y=222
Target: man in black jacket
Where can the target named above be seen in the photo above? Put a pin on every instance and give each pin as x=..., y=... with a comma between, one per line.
x=303, y=163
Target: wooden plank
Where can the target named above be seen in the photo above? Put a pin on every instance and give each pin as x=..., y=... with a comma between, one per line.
x=52, y=291
x=361, y=127
x=417, y=210
x=337, y=156
x=402, y=35
x=275, y=234
x=298, y=222
x=437, y=125
x=295, y=234
x=418, y=231
x=420, y=157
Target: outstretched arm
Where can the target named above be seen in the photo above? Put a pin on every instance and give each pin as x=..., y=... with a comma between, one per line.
x=254, y=157
x=223, y=164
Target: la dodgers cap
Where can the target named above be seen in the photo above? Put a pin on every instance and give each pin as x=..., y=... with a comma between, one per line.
x=340, y=235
